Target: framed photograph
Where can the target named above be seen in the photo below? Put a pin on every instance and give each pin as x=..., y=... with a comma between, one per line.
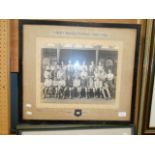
x=73, y=71
x=148, y=106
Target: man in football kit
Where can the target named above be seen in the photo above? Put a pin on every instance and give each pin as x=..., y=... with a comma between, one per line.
x=91, y=86
x=100, y=66
x=47, y=81
x=77, y=86
x=84, y=82
x=84, y=66
x=61, y=88
x=103, y=78
x=69, y=67
x=55, y=80
x=92, y=66
x=110, y=81
x=97, y=83
x=110, y=77
x=60, y=82
x=62, y=66
x=69, y=85
x=77, y=69
x=69, y=78
x=105, y=90
x=53, y=69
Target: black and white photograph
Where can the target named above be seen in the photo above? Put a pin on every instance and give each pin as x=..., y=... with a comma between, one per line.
x=78, y=74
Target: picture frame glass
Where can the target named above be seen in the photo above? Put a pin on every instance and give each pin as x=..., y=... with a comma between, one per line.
x=75, y=71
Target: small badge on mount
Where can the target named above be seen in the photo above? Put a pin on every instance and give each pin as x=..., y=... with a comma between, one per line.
x=78, y=112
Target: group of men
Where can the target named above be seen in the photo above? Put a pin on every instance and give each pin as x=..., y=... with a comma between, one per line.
x=67, y=81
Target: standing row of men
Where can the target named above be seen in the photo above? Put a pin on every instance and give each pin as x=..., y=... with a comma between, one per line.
x=78, y=81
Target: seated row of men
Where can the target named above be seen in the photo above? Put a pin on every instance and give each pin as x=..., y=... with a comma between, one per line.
x=75, y=80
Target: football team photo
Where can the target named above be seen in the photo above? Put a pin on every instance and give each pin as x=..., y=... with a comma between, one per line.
x=78, y=74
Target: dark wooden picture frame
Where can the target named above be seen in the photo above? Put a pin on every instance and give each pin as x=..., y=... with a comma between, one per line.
x=132, y=26
x=149, y=82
